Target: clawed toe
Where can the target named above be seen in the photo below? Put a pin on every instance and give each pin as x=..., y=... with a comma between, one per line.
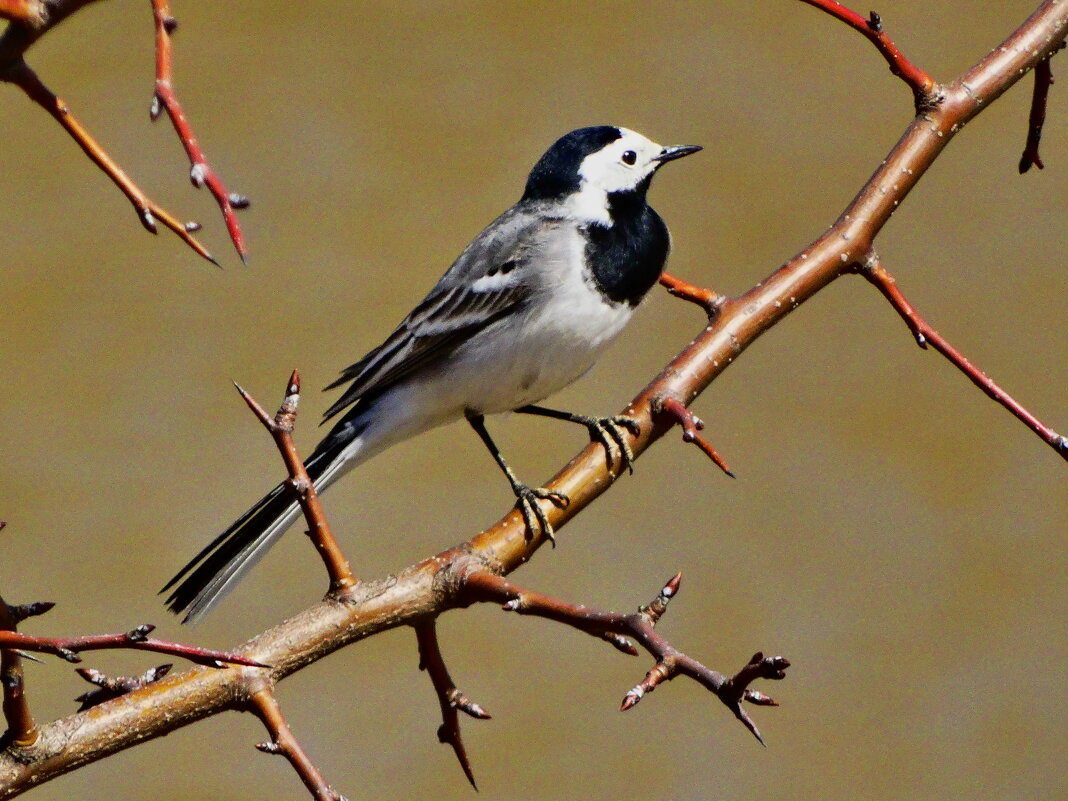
x=533, y=515
x=609, y=431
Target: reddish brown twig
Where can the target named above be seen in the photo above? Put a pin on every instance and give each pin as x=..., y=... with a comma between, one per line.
x=707, y=299
x=281, y=428
x=21, y=730
x=921, y=84
x=483, y=586
x=137, y=639
x=691, y=424
x=449, y=697
x=165, y=99
x=1037, y=117
x=925, y=335
x=147, y=211
x=108, y=687
x=264, y=705
x=30, y=11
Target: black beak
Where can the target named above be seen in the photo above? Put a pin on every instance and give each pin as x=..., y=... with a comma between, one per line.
x=673, y=152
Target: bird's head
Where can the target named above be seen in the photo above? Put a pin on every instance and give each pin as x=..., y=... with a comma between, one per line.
x=595, y=163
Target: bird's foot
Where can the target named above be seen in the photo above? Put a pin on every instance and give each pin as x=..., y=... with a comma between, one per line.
x=533, y=515
x=609, y=431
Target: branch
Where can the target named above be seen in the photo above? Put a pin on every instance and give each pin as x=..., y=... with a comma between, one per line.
x=147, y=210
x=449, y=697
x=705, y=298
x=483, y=586
x=32, y=19
x=925, y=335
x=21, y=730
x=136, y=639
x=108, y=688
x=26, y=11
x=165, y=99
x=281, y=429
x=691, y=425
x=921, y=84
x=424, y=590
x=1037, y=117
x=264, y=705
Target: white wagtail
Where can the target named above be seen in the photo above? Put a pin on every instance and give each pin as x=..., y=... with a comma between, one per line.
x=525, y=310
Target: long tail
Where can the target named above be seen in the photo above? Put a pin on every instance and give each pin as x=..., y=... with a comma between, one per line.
x=216, y=570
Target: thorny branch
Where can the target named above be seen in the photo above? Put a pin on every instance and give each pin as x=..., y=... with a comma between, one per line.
x=108, y=687
x=32, y=20
x=422, y=591
x=616, y=628
x=1037, y=118
x=264, y=705
x=922, y=85
x=449, y=697
x=200, y=172
x=21, y=730
x=873, y=270
x=137, y=639
x=281, y=429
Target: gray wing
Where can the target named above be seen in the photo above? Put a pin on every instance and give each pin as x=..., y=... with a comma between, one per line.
x=458, y=307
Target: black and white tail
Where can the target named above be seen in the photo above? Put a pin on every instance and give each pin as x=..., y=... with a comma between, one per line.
x=215, y=571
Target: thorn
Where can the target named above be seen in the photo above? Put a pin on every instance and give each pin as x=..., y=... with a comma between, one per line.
x=31, y=657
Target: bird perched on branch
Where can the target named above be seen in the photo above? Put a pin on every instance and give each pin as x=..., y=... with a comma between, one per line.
x=525, y=310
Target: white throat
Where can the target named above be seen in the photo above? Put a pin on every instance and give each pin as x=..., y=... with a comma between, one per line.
x=590, y=205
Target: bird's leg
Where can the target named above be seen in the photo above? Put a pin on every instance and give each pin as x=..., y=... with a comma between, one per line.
x=526, y=497
x=606, y=430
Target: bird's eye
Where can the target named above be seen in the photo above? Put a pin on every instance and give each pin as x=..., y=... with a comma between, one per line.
x=629, y=157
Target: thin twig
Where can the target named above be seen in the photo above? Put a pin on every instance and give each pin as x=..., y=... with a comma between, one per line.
x=484, y=586
x=28, y=11
x=691, y=425
x=137, y=639
x=281, y=429
x=921, y=84
x=264, y=705
x=707, y=299
x=165, y=99
x=925, y=335
x=21, y=730
x=1037, y=117
x=110, y=687
x=449, y=697
x=148, y=212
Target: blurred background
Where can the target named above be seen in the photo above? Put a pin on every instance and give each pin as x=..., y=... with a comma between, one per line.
x=893, y=532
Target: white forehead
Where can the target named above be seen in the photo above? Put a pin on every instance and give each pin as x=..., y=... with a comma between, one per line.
x=607, y=170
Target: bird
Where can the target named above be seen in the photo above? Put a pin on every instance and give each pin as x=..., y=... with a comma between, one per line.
x=525, y=310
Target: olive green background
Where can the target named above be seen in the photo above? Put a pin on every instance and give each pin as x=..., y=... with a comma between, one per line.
x=899, y=537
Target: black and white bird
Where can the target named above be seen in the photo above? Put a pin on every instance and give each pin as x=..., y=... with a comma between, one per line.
x=525, y=310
